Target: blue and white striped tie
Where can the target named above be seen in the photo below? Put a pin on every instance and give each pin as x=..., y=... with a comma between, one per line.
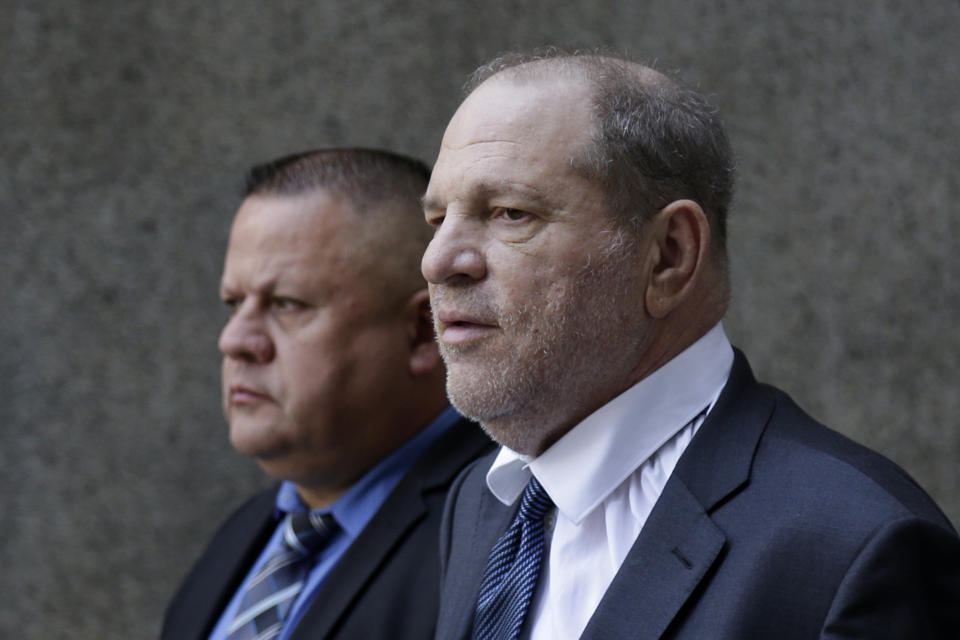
x=512, y=570
x=273, y=590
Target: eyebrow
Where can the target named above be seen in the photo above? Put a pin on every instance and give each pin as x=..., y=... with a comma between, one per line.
x=487, y=190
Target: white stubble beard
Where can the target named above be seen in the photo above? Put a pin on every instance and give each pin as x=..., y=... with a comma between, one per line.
x=553, y=362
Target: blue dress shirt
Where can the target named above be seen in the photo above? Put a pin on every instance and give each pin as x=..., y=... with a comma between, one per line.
x=353, y=510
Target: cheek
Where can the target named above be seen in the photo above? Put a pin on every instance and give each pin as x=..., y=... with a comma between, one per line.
x=376, y=353
x=314, y=370
x=541, y=293
x=308, y=372
x=516, y=278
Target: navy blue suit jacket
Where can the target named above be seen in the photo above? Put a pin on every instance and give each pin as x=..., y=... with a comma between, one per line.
x=384, y=586
x=771, y=526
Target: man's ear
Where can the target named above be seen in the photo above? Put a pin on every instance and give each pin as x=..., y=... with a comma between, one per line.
x=424, y=352
x=680, y=246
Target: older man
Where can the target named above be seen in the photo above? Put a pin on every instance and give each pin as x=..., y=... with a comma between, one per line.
x=332, y=382
x=647, y=486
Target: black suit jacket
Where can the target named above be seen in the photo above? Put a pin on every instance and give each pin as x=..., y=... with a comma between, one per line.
x=384, y=586
x=771, y=526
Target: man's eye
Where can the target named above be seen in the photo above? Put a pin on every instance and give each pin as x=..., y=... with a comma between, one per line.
x=232, y=304
x=286, y=304
x=511, y=215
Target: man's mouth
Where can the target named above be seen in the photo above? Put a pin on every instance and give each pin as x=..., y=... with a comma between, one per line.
x=456, y=328
x=244, y=395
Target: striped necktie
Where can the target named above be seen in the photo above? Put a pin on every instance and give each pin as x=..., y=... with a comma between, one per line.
x=512, y=570
x=272, y=591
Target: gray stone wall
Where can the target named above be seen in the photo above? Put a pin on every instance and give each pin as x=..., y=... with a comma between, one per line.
x=125, y=128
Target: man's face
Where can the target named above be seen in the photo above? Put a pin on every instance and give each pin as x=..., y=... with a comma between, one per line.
x=308, y=347
x=536, y=290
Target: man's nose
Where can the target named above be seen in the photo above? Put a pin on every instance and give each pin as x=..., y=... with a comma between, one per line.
x=245, y=337
x=455, y=254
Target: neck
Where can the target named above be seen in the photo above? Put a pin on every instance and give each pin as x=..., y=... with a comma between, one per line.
x=319, y=497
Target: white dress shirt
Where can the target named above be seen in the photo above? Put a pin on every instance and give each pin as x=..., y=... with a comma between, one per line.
x=605, y=475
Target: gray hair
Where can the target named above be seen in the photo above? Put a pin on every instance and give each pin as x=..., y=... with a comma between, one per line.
x=655, y=140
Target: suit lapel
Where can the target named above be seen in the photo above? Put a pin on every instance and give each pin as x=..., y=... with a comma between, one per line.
x=365, y=555
x=218, y=573
x=679, y=542
x=474, y=537
x=402, y=510
x=673, y=552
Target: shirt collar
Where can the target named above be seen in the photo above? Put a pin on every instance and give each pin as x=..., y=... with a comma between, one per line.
x=613, y=441
x=354, y=509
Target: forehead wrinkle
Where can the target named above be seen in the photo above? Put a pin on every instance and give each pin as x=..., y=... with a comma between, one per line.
x=295, y=256
x=483, y=141
x=256, y=280
x=488, y=189
x=510, y=187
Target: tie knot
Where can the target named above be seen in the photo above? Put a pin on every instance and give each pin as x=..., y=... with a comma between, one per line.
x=306, y=532
x=535, y=501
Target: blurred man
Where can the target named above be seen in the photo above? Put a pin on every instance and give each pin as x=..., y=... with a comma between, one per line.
x=333, y=383
x=647, y=486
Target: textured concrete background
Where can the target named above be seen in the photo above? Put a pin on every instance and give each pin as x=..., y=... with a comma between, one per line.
x=125, y=128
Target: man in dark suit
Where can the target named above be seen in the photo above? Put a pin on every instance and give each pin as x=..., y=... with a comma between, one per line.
x=647, y=486
x=332, y=381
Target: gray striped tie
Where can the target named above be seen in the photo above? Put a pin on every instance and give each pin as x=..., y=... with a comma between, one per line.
x=273, y=590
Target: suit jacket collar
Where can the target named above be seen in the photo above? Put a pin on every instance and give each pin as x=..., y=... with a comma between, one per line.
x=479, y=524
x=679, y=543
x=719, y=458
x=394, y=520
x=214, y=579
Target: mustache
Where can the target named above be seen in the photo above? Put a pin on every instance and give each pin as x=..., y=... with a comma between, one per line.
x=465, y=301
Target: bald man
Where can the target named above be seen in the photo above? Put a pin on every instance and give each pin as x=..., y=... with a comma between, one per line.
x=647, y=486
x=332, y=382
